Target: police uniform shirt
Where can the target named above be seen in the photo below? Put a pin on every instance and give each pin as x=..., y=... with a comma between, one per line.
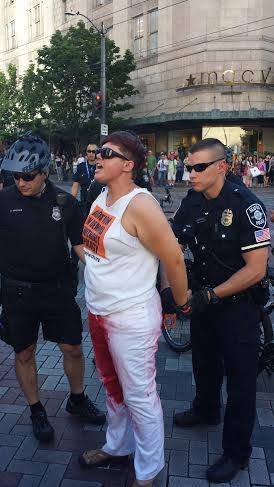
x=32, y=246
x=84, y=174
x=220, y=230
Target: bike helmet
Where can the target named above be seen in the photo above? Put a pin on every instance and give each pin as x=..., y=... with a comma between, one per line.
x=27, y=153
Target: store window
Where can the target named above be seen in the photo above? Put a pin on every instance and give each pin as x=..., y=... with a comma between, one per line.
x=138, y=30
x=153, y=31
x=148, y=140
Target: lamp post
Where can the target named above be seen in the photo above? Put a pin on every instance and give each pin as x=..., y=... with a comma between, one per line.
x=102, y=32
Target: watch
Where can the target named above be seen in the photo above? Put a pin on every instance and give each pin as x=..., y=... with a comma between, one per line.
x=214, y=299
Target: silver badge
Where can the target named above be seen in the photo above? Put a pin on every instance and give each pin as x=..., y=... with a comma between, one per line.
x=56, y=214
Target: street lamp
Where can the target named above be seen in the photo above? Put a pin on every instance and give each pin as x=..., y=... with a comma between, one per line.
x=102, y=32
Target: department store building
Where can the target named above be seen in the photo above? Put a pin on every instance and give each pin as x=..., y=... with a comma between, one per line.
x=203, y=69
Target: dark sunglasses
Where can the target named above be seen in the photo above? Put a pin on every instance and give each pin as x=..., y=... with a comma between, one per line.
x=28, y=176
x=202, y=166
x=93, y=151
x=108, y=153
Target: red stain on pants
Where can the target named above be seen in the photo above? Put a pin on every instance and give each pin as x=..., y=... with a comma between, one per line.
x=103, y=359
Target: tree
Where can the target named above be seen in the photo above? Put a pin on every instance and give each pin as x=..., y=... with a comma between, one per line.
x=10, y=115
x=57, y=96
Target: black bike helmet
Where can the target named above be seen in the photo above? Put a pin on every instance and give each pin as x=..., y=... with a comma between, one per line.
x=27, y=153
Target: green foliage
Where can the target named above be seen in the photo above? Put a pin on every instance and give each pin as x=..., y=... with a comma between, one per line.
x=56, y=96
x=68, y=72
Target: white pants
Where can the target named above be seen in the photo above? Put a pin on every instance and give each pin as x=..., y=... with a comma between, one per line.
x=125, y=344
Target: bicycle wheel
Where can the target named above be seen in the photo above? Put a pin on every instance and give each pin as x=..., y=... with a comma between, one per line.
x=266, y=328
x=266, y=354
x=177, y=335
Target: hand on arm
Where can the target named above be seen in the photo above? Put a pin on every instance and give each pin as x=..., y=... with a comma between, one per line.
x=79, y=250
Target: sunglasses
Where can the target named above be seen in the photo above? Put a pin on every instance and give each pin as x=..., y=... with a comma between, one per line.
x=107, y=153
x=201, y=167
x=28, y=176
x=93, y=151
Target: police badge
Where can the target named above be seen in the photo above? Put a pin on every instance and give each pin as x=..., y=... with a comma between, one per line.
x=56, y=214
x=227, y=217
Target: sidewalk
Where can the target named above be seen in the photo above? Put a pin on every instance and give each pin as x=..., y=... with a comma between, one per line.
x=26, y=463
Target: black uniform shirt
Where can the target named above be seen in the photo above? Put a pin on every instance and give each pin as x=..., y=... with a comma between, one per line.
x=32, y=246
x=218, y=231
x=84, y=174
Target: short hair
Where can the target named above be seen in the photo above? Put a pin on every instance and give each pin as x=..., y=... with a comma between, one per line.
x=209, y=143
x=132, y=148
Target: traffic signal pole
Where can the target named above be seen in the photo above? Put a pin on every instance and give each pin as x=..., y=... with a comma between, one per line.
x=103, y=73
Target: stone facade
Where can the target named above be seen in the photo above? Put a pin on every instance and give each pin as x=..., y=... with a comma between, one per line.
x=212, y=57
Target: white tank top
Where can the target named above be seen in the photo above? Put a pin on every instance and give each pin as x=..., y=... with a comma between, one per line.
x=120, y=272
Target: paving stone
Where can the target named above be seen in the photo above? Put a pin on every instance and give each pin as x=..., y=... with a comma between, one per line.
x=22, y=429
x=265, y=417
x=178, y=463
x=29, y=481
x=262, y=437
x=6, y=454
x=197, y=471
x=9, y=479
x=198, y=454
x=241, y=480
x=50, y=383
x=258, y=472
x=257, y=452
x=27, y=448
x=10, y=440
x=53, y=476
x=272, y=478
x=8, y=422
x=3, y=391
x=215, y=442
x=176, y=444
x=52, y=406
x=45, y=371
x=269, y=453
x=12, y=409
x=183, y=482
x=22, y=466
x=52, y=456
x=80, y=483
x=197, y=433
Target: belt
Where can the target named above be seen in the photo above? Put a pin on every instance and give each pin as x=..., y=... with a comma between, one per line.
x=30, y=285
x=237, y=298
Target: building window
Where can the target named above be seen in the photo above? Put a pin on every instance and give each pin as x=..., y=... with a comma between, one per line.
x=65, y=9
x=99, y=3
x=138, y=35
x=37, y=20
x=7, y=37
x=12, y=34
x=29, y=16
x=153, y=32
x=110, y=32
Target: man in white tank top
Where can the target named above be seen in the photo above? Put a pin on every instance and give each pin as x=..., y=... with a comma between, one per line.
x=125, y=235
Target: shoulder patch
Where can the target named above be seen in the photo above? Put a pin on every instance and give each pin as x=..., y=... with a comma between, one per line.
x=256, y=215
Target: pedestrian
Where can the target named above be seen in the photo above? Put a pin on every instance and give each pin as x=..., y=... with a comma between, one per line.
x=162, y=169
x=271, y=171
x=58, y=166
x=84, y=175
x=179, y=170
x=225, y=227
x=171, y=169
x=35, y=277
x=262, y=168
x=124, y=236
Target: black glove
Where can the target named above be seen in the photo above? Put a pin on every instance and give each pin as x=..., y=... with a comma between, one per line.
x=199, y=301
x=168, y=303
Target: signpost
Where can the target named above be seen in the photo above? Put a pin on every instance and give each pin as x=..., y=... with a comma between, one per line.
x=104, y=129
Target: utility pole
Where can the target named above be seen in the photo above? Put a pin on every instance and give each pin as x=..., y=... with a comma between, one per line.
x=103, y=73
x=102, y=32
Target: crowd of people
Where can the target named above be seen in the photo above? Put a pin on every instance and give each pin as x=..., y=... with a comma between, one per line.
x=121, y=235
x=170, y=169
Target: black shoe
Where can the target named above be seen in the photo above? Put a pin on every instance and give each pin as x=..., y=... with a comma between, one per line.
x=224, y=470
x=42, y=429
x=192, y=418
x=86, y=409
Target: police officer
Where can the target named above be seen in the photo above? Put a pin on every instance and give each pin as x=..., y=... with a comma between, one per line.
x=35, y=276
x=84, y=175
x=225, y=227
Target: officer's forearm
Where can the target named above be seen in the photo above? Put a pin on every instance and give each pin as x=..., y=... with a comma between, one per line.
x=74, y=189
x=241, y=280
